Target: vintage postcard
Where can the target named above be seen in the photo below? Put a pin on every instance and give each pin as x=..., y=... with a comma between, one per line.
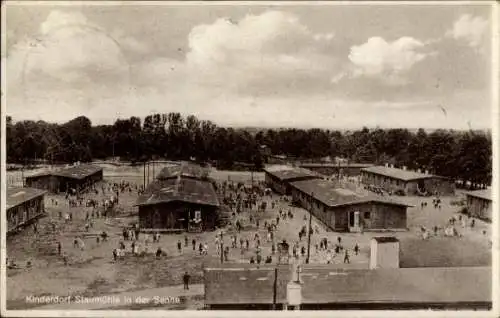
x=218, y=158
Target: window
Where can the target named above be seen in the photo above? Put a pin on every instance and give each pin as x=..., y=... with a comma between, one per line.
x=367, y=215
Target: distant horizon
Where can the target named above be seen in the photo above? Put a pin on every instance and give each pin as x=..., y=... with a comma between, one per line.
x=261, y=128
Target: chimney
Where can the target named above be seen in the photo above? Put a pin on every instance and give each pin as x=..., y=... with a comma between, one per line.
x=384, y=252
x=419, y=171
x=404, y=168
x=426, y=171
x=386, y=165
x=392, y=166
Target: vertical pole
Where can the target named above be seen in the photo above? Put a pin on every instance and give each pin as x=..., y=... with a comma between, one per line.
x=221, y=248
x=144, y=173
x=153, y=170
x=275, y=287
x=309, y=230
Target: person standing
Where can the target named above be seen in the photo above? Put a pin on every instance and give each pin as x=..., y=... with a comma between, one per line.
x=59, y=247
x=186, y=278
x=186, y=241
x=356, y=249
x=193, y=242
x=346, y=257
x=179, y=246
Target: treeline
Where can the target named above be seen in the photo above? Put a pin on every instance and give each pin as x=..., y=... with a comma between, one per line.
x=460, y=155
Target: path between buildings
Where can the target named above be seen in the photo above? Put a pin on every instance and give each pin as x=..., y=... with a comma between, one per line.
x=145, y=296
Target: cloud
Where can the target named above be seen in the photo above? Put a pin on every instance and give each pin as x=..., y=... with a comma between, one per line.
x=266, y=69
x=469, y=29
x=387, y=60
x=273, y=49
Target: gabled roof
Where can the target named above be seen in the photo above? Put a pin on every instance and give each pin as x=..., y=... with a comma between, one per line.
x=74, y=172
x=17, y=196
x=284, y=173
x=482, y=194
x=330, y=194
x=396, y=173
x=179, y=189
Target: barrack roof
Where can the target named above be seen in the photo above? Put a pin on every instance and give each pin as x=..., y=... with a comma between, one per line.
x=322, y=284
x=184, y=169
x=73, y=172
x=179, y=189
x=336, y=165
x=482, y=194
x=331, y=194
x=17, y=196
x=283, y=172
x=396, y=173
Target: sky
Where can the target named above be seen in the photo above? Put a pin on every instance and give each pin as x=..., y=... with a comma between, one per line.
x=326, y=66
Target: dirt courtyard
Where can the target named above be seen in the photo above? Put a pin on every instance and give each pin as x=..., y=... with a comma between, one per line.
x=93, y=272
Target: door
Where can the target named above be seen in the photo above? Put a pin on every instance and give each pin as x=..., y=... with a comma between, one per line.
x=351, y=219
x=354, y=225
x=156, y=220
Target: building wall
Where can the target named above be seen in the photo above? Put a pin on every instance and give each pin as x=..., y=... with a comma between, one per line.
x=49, y=183
x=25, y=212
x=386, y=183
x=275, y=184
x=480, y=208
x=442, y=186
x=166, y=215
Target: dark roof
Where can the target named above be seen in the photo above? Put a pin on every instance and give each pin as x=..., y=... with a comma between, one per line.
x=442, y=252
x=73, y=172
x=288, y=173
x=323, y=284
x=403, y=285
x=396, y=173
x=179, y=189
x=482, y=194
x=386, y=239
x=17, y=196
x=336, y=165
x=184, y=169
x=329, y=193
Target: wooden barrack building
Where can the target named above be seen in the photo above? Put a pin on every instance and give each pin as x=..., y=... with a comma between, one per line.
x=79, y=178
x=182, y=198
x=23, y=206
x=410, y=182
x=341, y=209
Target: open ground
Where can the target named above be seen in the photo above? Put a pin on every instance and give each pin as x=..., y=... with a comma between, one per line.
x=93, y=272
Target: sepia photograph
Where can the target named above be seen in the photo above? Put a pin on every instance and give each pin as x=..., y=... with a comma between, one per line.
x=242, y=156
